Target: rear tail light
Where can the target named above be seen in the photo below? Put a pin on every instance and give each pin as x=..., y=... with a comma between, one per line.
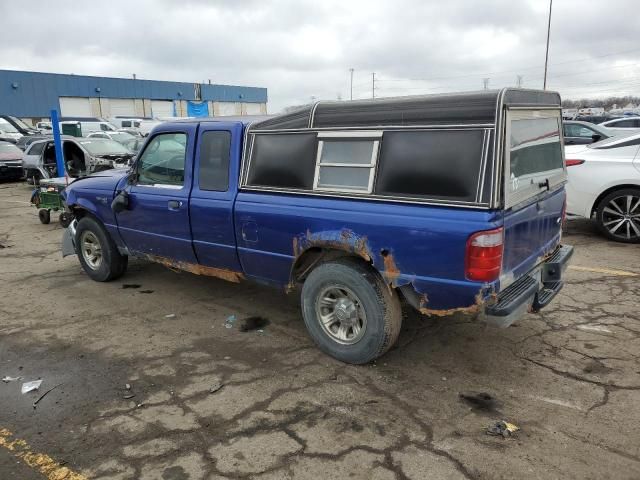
x=483, y=259
x=573, y=162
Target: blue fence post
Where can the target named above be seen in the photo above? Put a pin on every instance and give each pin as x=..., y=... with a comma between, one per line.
x=57, y=140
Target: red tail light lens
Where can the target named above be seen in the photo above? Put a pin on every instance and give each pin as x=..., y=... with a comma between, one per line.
x=483, y=260
x=573, y=163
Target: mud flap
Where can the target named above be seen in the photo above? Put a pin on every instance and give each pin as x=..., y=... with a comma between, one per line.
x=68, y=240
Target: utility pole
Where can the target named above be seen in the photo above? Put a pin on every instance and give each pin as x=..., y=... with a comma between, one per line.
x=519, y=81
x=546, y=57
x=485, y=83
x=351, y=88
x=373, y=85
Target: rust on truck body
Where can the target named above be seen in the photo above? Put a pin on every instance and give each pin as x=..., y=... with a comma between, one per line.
x=228, y=275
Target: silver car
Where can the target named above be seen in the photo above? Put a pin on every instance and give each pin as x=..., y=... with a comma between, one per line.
x=82, y=156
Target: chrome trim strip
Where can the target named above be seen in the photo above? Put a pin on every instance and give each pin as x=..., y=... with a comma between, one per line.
x=373, y=197
x=483, y=158
x=312, y=114
x=379, y=127
x=350, y=134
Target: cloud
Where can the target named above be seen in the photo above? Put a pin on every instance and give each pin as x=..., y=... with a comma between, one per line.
x=304, y=49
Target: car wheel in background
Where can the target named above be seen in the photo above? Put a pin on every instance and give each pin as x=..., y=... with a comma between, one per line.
x=97, y=251
x=350, y=312
x=618, y=215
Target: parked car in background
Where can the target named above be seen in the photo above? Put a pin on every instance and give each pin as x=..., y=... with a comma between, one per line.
x=10, y=161
x=7, y=130
x=44, y=127
x=19, y=125
x=583, y=133
x=132, y=131
x=120, y=137
x=82, y=156
x=604, y=184
x=624, y=124
x=352, y=204
x=595, y=118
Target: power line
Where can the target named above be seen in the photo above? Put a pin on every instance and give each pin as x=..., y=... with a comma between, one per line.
x=395, y=79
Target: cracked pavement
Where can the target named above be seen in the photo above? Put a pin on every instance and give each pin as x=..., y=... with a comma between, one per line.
x=568, y=377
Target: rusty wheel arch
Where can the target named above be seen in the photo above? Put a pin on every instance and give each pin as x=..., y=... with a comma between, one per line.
x=307, y=260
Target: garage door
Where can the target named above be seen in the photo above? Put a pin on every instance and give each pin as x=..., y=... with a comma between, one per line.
x=162, y=108
x=122, y=107
x=252, y=109
x=75, y=107
x=227, y=108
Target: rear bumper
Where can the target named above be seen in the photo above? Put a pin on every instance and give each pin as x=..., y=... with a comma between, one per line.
x=531, y=292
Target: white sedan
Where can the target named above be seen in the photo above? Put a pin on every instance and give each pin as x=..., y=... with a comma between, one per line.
x=604, y=183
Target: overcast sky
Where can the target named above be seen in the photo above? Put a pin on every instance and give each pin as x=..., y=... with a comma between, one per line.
x=302, y=49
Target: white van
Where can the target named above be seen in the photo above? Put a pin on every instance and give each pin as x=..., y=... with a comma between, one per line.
x=88, y=126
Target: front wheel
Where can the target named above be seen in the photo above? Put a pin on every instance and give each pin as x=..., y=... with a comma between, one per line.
x=97, y=251
x=350, y=313
x=618, y=215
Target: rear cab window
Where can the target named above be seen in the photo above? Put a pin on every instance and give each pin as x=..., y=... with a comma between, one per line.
x=534, y=159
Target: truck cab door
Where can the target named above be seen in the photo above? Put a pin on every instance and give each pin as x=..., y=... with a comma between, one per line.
x=215, y=184
x=156, y=222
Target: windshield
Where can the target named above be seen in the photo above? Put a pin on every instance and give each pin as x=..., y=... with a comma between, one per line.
x=121, y=137
x=7, y=127
x=9, y=148
x=21, y=123
x=612, y=140
x=104, y=147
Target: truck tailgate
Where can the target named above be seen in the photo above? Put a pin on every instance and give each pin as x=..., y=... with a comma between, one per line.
x=531, y=233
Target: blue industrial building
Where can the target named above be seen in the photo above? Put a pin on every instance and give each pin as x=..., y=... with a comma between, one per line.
x=32, y=95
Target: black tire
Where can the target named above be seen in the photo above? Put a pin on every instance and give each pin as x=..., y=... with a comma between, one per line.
x=44, y=215
x=380, y=304
x=618, y=221
x=65, y=219
x=112, y=264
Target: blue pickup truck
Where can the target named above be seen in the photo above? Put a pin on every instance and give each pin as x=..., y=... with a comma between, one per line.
x=452, y=203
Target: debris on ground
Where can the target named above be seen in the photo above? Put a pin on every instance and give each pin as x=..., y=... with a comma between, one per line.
x=131, y=285
x=228, y=323
x=170, y=315
x=480, y=401
x=145, y=291
x=44, y=395
x=253, y=323
x=128, y=396
x=31, y=386
x=502, y=428
x=7, y=379
x=227, y=358
x=216, y=387
x=127, y=386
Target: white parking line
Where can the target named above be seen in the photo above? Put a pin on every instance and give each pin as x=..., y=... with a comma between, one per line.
x=606, y=271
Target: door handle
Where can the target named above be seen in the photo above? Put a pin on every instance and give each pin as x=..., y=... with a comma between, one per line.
x=174, y=204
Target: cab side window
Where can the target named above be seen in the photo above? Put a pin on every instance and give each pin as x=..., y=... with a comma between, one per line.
x=163, y=161
x=214, y=161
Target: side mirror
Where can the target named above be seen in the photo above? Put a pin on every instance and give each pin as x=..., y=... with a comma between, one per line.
x=596, y=137
x=120, y=202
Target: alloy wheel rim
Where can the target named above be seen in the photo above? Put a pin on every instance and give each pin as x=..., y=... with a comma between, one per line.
x=341, y=314
x=621, y=217
x=91, y=250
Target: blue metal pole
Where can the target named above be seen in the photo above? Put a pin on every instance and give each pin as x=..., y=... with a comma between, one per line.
x=57, y=140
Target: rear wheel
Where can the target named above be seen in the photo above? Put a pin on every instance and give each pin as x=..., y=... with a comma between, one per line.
x=350, y=312
x=618, y=215
x=97, y=251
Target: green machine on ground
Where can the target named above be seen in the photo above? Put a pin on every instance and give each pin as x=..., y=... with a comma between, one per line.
x=46, y=197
